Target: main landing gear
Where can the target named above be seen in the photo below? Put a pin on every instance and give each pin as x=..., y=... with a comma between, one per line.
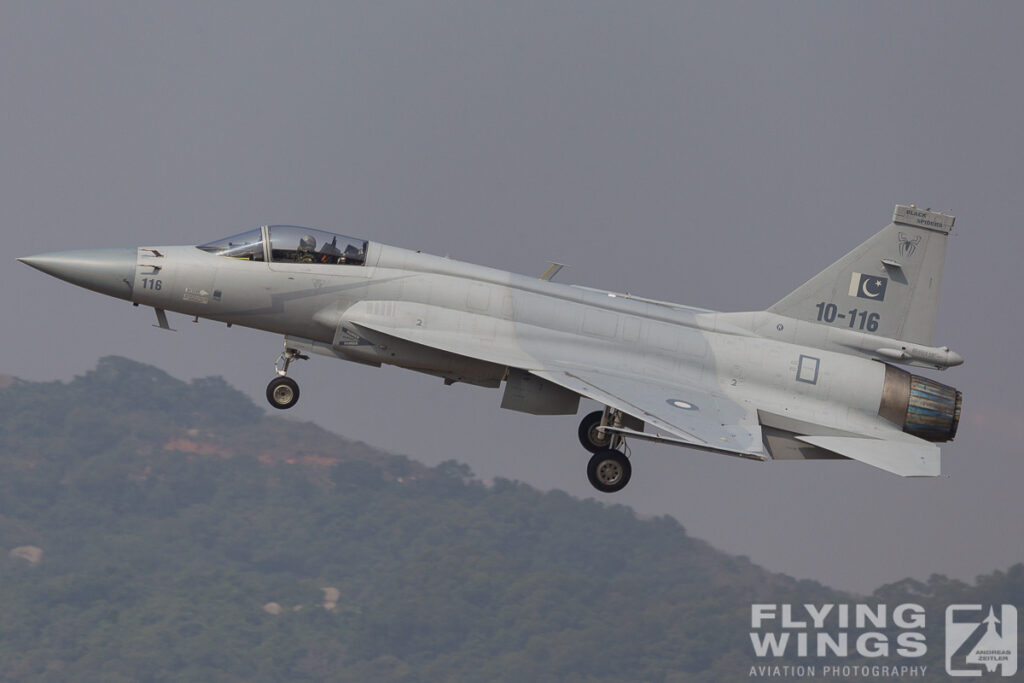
x=283, y=391
x=609, y=469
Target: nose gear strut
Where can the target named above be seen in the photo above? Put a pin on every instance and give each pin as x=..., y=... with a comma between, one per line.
x=283, y=391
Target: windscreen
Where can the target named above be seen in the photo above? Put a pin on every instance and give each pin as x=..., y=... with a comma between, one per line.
x=247, y=246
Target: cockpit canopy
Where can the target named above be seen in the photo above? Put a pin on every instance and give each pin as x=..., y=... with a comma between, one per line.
x=292, y=244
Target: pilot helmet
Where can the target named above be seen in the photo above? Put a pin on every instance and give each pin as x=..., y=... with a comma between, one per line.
x=307, y=243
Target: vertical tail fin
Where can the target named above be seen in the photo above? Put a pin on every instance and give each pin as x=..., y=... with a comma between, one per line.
x=888, y=286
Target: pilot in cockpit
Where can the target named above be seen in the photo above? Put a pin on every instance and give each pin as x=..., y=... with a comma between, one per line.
x=306, y=253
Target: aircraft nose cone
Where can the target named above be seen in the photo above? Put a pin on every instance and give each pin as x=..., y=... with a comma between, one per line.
x=107, y=271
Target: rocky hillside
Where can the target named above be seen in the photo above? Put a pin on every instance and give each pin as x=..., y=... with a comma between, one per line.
x=153, y=529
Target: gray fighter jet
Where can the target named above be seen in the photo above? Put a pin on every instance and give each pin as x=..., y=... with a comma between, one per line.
x=812, y=377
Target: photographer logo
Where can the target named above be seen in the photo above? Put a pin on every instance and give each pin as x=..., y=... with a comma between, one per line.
x=981, y=641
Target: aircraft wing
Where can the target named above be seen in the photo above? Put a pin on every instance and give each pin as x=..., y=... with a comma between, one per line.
x=685, y=410
x=681, y=409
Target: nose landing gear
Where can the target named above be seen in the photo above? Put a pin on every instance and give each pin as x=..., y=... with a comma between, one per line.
x=283, y=391
x=609, y=469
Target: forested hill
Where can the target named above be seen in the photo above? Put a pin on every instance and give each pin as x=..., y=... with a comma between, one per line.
x=152, y=529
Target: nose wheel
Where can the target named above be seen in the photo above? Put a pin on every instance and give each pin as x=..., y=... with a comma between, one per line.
x=283, y=391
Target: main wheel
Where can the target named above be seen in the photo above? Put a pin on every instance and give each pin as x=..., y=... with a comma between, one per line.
x=592, y=439
x=282, y=392
x=609, y=471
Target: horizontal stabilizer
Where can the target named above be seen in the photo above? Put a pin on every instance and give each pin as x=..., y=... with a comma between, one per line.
x=905, y=458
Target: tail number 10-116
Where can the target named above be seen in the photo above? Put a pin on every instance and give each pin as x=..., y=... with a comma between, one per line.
x=856, y=319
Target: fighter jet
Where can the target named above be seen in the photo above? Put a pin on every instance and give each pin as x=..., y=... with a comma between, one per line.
x=813, y=377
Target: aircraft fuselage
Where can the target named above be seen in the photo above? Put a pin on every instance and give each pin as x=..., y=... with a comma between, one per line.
x=760, y=385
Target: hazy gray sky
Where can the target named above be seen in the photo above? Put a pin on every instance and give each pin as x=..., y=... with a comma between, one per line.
x=716, y=154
